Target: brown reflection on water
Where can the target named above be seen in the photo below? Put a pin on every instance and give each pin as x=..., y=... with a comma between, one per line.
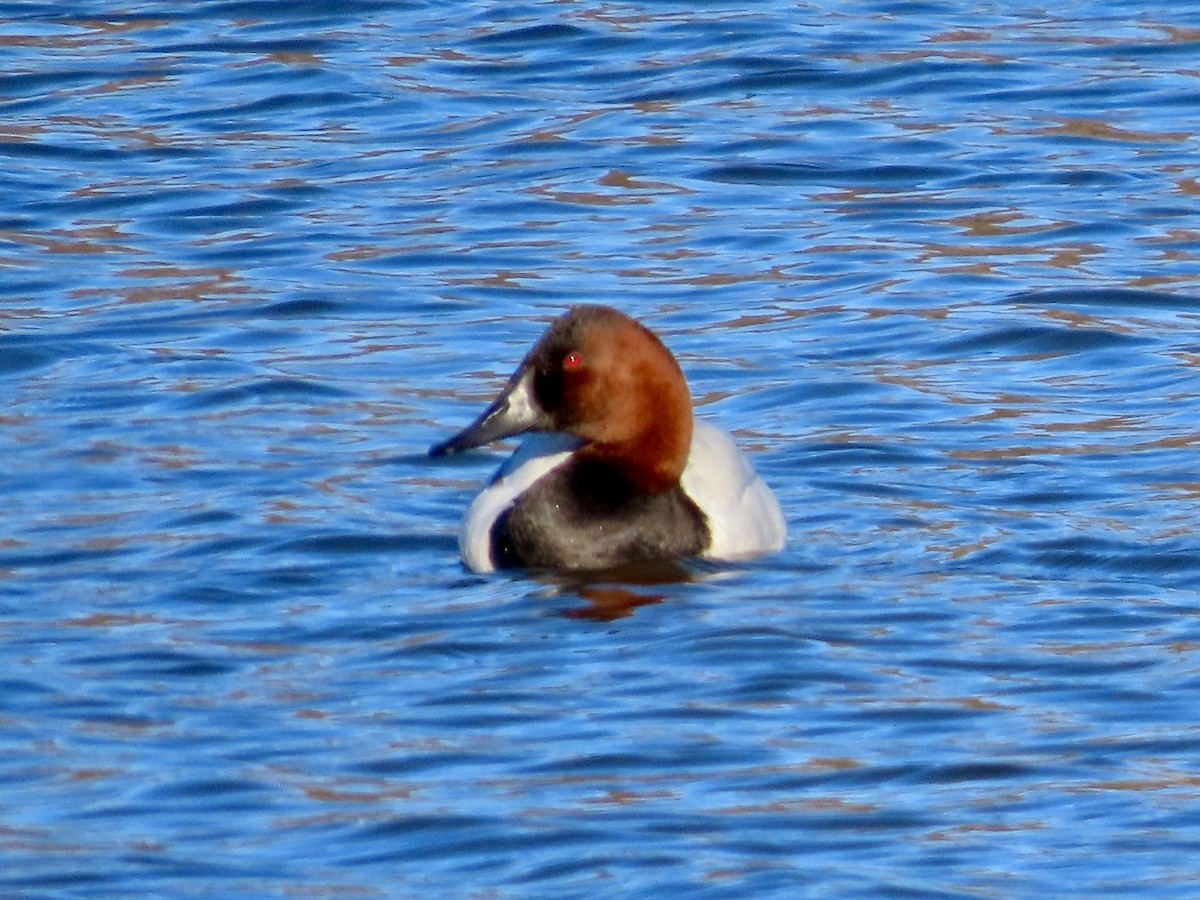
x=617, y=593
x=87, y=240
x=1094, y=128
x=177, y=283
x=607, y=604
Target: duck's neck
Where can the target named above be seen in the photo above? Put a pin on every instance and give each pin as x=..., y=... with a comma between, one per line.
x=652, y=460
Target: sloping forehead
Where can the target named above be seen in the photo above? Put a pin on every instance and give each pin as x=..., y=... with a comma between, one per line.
x=582, y=327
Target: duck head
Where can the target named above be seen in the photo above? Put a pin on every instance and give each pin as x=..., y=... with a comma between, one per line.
x=606, y=379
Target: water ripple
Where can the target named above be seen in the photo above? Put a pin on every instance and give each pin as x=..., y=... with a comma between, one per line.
x=937, y=274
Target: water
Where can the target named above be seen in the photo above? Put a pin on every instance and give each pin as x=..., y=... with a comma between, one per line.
x=940, y=273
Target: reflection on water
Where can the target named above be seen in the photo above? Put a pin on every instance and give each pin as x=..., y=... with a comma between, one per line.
x=605, y=603
x=939, y=274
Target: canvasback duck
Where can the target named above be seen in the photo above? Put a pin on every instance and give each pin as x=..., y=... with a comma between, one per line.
x=614, y=470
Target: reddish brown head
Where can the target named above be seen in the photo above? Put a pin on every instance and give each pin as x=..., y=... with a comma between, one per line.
x=601, y=376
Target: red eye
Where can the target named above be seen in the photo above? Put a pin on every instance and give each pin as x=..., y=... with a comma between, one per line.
x=573, y=361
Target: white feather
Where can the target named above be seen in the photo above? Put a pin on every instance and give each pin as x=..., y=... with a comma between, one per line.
x=744, y=517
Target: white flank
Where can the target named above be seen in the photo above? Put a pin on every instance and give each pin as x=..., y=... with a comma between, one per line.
x=743, y=515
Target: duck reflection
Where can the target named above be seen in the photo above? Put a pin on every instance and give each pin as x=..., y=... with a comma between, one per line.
x=615, y=593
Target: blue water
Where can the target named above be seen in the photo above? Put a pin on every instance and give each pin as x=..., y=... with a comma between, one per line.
x=938, y=270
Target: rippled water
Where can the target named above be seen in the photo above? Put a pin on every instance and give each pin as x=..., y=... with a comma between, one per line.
x=938, y=270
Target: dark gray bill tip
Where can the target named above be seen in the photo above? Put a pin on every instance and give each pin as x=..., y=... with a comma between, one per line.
x=498, y=421
x=447, y=447
x=512, y=413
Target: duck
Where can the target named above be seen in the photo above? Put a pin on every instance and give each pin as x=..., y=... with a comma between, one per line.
x=614, y=468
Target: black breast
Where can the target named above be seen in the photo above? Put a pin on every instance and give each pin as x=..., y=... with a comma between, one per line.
x=585, y=515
